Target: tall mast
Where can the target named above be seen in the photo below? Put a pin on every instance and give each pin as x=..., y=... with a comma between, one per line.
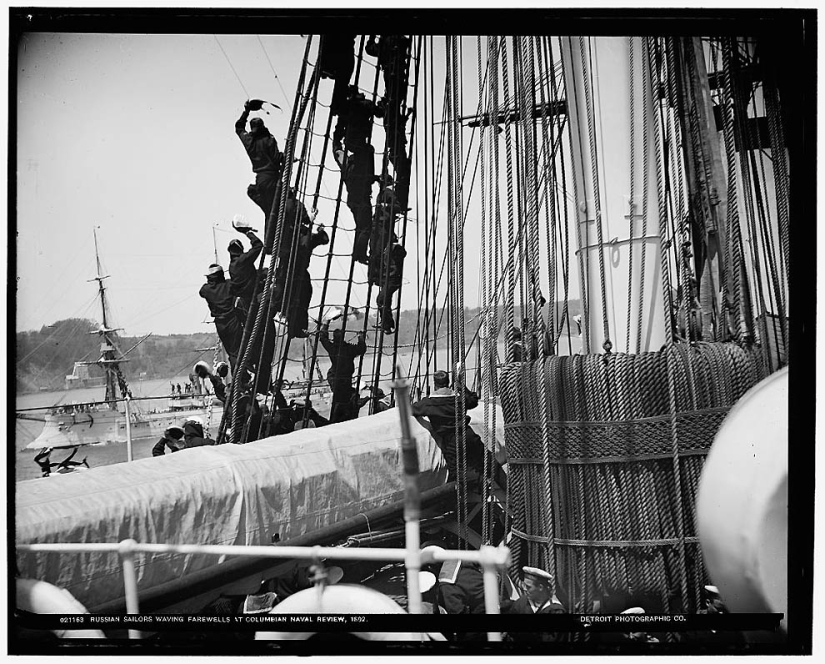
x=108, y=359
x=609, y=222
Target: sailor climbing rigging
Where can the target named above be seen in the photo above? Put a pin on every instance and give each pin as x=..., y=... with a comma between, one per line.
x=336, y=60
x=352, y=132
x=264, y=154
x=342, y=367
x=392, y=52
x=242, y=269
x=386, y=272
x=217, y=292
x=440, y=409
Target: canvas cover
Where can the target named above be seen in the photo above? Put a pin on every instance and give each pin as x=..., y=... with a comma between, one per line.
x=228, y=494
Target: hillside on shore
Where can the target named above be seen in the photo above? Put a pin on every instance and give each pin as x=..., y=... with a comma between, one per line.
x=45, y=357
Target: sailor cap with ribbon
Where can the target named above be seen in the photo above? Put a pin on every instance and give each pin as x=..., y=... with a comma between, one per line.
x=538, y=574
x=214, y=269
x=426, y=580
x=201, y=364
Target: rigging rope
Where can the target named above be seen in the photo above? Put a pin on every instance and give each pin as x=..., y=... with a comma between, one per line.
x=594, y=166
x=277, y=78
x=253, y=331
x=229, y=62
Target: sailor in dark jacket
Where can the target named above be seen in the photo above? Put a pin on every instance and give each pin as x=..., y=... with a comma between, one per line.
x=217, y=292
x=459, y=590
x=388, y=278
x=242, y=268
x=392, y=52
x=342, y=363
x=292, y=286
x=382, y=232
x=336, y=60
x=193, y=433
x=352, y=132
x=440, y=409
x=172, y=438
x=539, y=597
x=303, y=409
x=461, y=587
x=283, y=416
x=264, y=154
x=292, y=289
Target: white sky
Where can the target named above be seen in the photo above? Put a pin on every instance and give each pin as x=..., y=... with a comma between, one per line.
x=134, y=134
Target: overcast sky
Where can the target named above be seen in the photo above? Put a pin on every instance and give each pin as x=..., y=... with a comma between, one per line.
x=134, y=134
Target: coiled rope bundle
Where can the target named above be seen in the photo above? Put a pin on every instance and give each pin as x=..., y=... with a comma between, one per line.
x=620, y=465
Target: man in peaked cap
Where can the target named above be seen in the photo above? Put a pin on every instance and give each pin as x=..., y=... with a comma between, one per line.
x=539, y=597
x=217, y=292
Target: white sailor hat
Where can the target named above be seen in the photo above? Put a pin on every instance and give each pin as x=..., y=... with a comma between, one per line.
x=239, y=222
x=634, y=610
x=538, y=574
x=713, y=590
x=200, y=364
x=429, y=550
x=426, y=580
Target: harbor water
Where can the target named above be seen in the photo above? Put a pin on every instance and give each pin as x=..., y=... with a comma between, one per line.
x=26, y=430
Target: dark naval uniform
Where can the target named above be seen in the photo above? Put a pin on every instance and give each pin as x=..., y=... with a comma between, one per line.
x=242, y=270
x=218, y=295
x=440, y=409
x=266, y=158
x=525, y=606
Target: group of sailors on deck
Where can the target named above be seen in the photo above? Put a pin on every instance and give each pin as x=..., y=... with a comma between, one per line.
x=450, y=588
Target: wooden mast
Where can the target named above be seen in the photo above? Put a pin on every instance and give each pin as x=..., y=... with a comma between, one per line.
x=602, y=158
x=108, y=346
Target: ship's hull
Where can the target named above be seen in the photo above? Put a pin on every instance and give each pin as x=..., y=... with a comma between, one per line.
x=75, y=429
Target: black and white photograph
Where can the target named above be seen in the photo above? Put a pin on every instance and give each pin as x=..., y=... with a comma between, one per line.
x=474, y=340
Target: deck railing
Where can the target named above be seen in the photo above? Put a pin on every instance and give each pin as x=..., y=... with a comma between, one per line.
x=491, y=559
